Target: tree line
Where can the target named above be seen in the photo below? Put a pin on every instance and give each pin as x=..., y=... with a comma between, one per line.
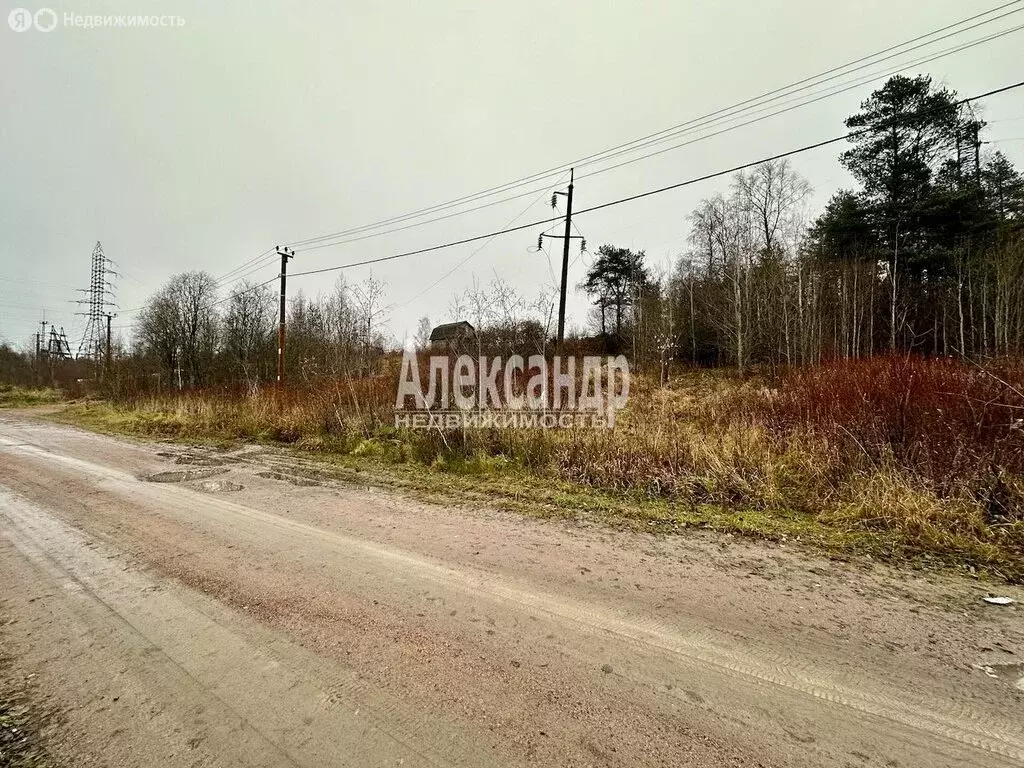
x=924, y=255
x=188, y=336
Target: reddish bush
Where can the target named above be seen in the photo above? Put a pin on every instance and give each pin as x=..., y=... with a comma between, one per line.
x=950, y=422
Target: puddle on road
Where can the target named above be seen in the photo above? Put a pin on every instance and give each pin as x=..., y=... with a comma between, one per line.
x=183, y=475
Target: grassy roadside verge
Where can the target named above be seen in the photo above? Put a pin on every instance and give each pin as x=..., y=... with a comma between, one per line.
x=22, y=397
x=510, y=487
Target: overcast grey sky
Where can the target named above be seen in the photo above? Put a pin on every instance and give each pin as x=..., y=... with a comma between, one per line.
x=200, y=146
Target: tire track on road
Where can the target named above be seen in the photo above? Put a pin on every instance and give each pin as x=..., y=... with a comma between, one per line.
x=285, y=711
x=950, y=720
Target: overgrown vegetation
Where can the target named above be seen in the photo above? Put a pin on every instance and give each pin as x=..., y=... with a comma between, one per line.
x=899, y=456
x=925, y=255
x=869, y=385
x=22, y=397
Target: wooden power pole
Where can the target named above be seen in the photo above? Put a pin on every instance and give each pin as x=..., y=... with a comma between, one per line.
x=565, y=255
x=565, y=261
x=285, y=254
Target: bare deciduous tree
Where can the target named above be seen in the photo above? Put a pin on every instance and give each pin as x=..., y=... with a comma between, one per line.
x=179, y=326
x=249, y=322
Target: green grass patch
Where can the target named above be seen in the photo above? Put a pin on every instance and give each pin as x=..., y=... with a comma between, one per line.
x=24, y=397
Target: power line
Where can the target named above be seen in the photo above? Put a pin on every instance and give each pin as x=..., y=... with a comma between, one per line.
x=843, y=89
x=329, y=241
x=588, y=159
x=477, y=250
x=641, y=195
x=735, y=112
x=250, y=289
x=21, y=280
x=837, y=89
x=262, y=257
x=463, y=212
x=840, y=71
x=219, y=281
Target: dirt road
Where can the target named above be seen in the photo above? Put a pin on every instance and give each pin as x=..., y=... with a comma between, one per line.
x=184, y=607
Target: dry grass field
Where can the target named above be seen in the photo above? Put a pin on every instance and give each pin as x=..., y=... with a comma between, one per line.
x=899, y=457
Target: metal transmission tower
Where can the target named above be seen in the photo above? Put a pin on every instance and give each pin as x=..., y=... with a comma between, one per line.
x=57, y=347
x=100, y=297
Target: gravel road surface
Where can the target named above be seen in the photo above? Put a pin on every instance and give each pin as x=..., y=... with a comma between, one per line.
x=180, y=606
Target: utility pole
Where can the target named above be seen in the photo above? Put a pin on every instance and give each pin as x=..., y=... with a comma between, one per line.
x=565, y=261
x=285, y=254
x=109, y=358
x=565, y=254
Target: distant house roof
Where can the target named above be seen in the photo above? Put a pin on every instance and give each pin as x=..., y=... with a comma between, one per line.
x=451, y=331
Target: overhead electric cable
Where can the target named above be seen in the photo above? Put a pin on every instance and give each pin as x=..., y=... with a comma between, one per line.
x=641, y=195
x=837, y=71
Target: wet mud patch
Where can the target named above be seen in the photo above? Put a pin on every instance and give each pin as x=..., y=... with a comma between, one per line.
x=218, y=486
x=201, y=461
x=182, y=475
x=301, y=482
x=192, y=459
